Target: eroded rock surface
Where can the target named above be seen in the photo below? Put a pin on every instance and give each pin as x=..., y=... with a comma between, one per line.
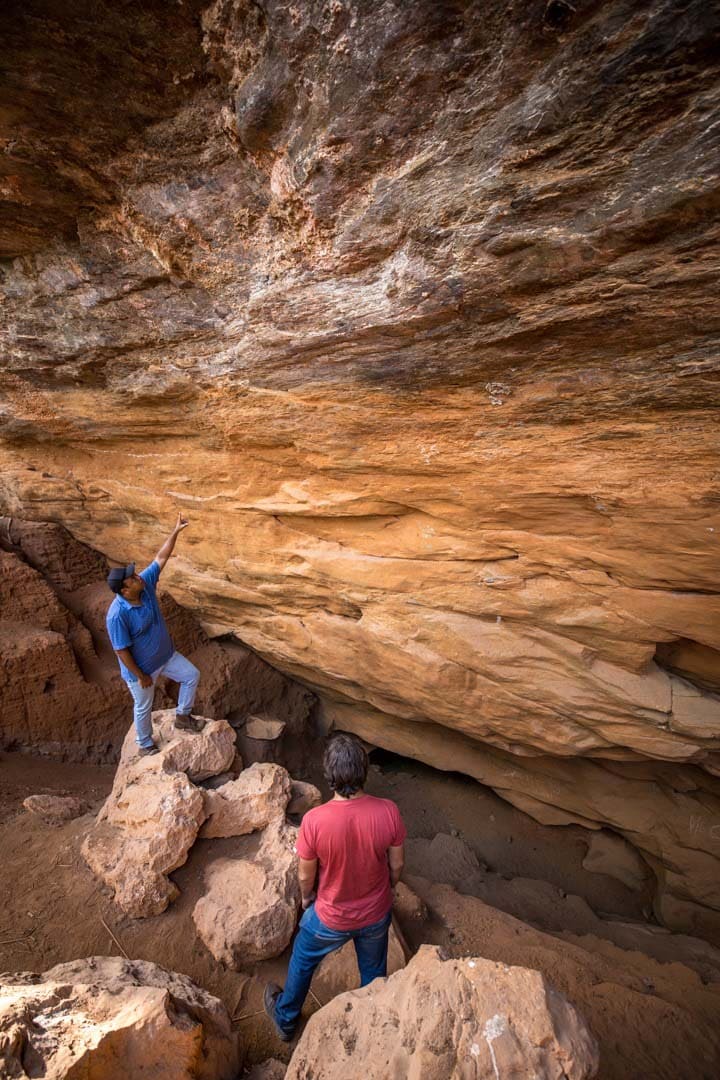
x=256, y=797
x=113, y=1018
x=650, y=1017
x=410, y=308
x=446, y=1020
x=55, y=809
x=248, y=911
x=154, y=812
x=60, y=688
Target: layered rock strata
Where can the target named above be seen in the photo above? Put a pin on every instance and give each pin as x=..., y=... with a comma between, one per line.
x=60, y=688
x=407, y=306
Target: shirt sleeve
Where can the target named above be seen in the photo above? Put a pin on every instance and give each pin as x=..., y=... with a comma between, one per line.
x=399, y=830
x=151, y=574
x=305, y=845
x=118, y=631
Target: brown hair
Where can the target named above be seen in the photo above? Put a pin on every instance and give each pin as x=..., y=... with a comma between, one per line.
x=345, y=764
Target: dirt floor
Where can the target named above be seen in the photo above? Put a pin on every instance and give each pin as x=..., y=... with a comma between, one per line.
x=495, y=883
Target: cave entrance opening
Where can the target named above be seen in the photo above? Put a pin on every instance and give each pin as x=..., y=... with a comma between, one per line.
x=462, y=833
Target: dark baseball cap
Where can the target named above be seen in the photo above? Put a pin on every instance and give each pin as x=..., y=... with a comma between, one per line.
x=118, y=574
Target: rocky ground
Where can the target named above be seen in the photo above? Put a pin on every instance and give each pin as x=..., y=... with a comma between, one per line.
x=492, y=883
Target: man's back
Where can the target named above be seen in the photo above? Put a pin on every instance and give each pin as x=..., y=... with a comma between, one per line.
x=350, y=839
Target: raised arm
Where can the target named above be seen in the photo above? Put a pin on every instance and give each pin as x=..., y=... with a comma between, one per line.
x=167, y=549
x=396, y=861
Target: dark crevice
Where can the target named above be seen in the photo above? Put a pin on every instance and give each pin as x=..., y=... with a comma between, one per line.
x=698, y=664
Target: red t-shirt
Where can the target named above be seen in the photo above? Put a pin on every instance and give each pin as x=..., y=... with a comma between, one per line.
x=350, y=839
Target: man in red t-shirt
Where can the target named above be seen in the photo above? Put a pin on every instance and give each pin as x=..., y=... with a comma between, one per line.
x=350, y=857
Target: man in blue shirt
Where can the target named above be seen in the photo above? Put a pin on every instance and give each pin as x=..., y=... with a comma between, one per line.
x=144, y=647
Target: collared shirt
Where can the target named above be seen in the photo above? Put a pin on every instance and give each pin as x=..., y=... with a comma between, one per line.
x=140, y=627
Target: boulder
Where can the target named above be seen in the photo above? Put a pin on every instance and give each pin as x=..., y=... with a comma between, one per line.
x=55, y=809
x=249, y=909
x=610, y=854
x=469, y=1019
x=258, y=796
x=199, y=756
x=107, y=1018
x=303, y=797
x=339, y=971
x=260, y=738
x=152, y=816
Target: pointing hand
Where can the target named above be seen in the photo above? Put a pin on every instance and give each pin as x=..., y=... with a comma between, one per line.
x=181, y=523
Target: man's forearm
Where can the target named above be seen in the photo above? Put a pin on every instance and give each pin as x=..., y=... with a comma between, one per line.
x=129, y=661
x=307, y=886
x=395, y=872
x=168, y=547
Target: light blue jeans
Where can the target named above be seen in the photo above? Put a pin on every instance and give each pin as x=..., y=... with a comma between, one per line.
x=180, y=670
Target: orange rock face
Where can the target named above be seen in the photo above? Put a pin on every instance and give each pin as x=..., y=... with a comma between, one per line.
x=448, y=1020
x=408, y=308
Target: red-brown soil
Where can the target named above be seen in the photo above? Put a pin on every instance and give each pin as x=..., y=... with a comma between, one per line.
x=652, y=1016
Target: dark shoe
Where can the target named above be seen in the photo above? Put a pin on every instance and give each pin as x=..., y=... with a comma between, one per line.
x=188, y=722
x=146, y=751
x=272, y=993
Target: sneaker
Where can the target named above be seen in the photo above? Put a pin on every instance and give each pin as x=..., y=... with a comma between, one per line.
x=272, y=993
x=188, y=722
x=146, y=751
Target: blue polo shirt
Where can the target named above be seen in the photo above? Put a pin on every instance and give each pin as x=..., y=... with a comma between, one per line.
x=141, y=627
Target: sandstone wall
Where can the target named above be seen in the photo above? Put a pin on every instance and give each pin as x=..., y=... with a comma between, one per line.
x=409, y=308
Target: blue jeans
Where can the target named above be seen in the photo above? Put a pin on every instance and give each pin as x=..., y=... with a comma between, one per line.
x=314, y=941
x=180, y=670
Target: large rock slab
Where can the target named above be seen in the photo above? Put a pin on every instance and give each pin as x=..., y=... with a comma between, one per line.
x=256, y=797
x=106, y=1018
x=249, y=908
x=610, y=854
x=468, y=1019
x=153, y=814
x=651, y=1017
